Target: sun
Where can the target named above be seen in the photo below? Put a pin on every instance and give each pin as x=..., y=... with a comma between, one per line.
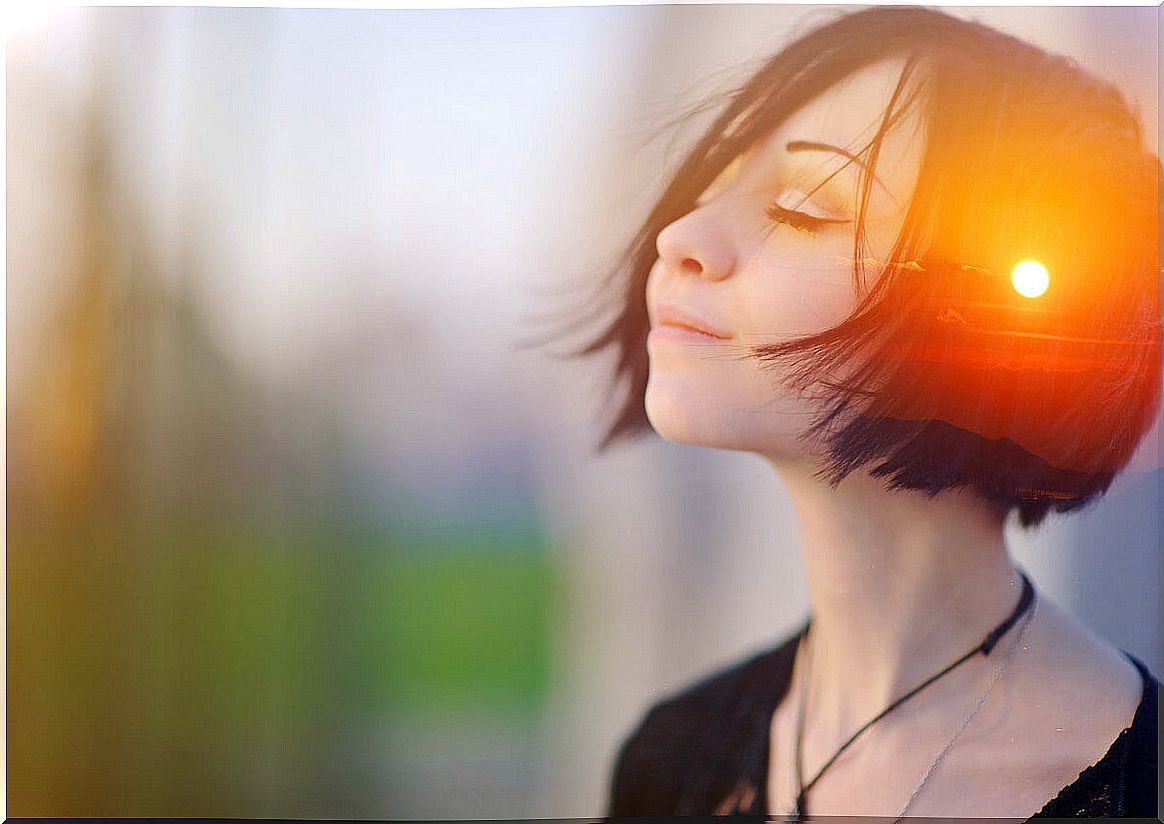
x=1030, y=278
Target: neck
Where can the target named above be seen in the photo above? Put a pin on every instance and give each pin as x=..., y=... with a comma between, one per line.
x=901, y=585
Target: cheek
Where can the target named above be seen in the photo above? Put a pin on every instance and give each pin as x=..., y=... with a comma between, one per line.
x=801, y=298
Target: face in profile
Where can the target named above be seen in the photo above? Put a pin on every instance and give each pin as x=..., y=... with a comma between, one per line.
x=766, y=255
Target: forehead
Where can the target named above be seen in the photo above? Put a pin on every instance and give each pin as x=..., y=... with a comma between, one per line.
x=848, y=115
x=853, y=108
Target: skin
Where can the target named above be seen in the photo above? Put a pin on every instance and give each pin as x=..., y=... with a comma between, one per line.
x=900, y=584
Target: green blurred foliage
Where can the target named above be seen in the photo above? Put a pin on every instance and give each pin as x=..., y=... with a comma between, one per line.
x=207, y=673
x=463, y=623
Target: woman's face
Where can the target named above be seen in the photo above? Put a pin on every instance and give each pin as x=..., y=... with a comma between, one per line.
x=758, y=262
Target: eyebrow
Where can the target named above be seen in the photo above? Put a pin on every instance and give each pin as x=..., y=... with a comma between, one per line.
x=815, y=146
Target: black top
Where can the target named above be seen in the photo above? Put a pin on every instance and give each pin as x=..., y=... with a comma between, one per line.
x=705, y=751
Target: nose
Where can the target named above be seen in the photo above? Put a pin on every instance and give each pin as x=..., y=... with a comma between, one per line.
x=693, y=245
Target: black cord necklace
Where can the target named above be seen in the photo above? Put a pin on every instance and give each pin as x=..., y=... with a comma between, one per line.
x=986, y=647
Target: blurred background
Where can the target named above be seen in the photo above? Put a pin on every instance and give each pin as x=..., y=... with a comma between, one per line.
x=296, y=527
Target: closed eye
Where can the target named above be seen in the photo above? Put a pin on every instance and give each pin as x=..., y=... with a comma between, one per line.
x=801, y=221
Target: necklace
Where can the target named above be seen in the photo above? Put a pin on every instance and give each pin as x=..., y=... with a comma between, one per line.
x=1026, y=605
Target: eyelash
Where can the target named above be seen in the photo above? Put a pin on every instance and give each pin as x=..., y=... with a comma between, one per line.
x=797, y=220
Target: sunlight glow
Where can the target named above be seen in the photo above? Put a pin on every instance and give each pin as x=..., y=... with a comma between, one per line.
x=1030, y=278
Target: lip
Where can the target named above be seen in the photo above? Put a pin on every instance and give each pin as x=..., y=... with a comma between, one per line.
x=672, y=318
x=680, y=334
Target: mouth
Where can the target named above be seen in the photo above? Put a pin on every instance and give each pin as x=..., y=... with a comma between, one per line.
x=677, y=320
x=679, y=329
x=681, y=334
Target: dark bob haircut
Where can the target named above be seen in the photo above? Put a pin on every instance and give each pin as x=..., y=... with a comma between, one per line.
x=944, y=376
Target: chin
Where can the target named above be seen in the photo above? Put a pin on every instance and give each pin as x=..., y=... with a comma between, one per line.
x=773, y=431
x=682, y=417
x=682, y=428
x=698, y=425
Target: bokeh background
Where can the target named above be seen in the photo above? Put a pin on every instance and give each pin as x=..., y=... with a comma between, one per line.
x=296, y=526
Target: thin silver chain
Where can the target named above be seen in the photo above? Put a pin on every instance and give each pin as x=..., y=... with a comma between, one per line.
x=973, y=712
x=1027, y=620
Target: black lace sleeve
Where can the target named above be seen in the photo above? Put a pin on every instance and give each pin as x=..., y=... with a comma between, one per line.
x=649, y=764
x=689, y=753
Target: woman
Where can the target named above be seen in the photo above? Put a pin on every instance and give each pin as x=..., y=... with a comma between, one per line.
x=913, y=266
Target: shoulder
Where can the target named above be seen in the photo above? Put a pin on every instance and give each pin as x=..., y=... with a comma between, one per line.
x=1073, y=691
x=713, y=700
x=1124, y=782
x=678, y=733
